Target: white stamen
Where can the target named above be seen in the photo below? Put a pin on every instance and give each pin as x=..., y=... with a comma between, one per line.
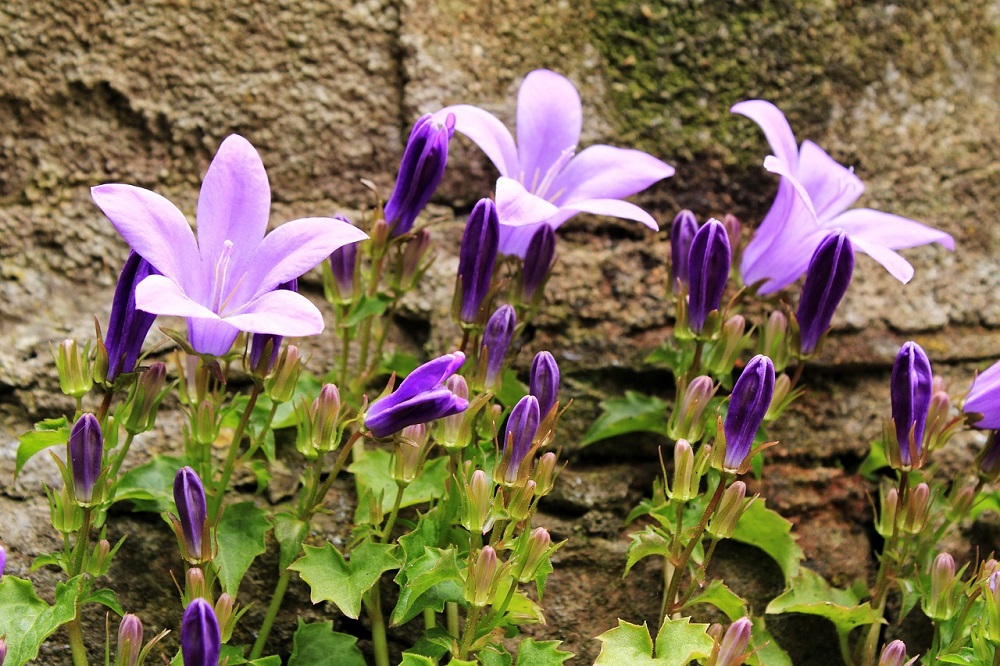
x=221, y=270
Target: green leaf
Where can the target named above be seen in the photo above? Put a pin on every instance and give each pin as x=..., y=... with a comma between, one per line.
x=290, y=533
x=373, y=472
x=105, y=598
x=671, y=357
x=511, y=389
x=367, y=306
x=677, y=643
x=273, y=660
x=150, y=486
x=633, y=413
x=317, y=644
x=489, y=656
x=645, y=543
x=333, y=579
x=540, y=653
x=767, y=652
x=767, y=530
x=242, y=536
x=400, y=363
x=28, y=621
x=720, y=596
x=427, y=582
x=874, y=461
x=411, y=659
x=809, y=593
x=49, y=432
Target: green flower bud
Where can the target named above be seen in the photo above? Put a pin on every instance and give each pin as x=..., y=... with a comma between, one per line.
x=146, y=397
x=205, y=428
x=685, y=485
x=73, y=365
x=943, y=602
x=411, y=449
x=545, y=473
x=774, y=340
x=730, y=510
x=477, y=503
x=887, y=512
x=918, y=509
x=480, y=585
x=721, y=358
x=686, y=421
x=281, y=383
x=536, y=552
x=226, y=612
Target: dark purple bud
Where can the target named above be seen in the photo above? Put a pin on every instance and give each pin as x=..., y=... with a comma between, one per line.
x=189, y=496
x=3, y=562
x=201, y=640
x=477, y=256
x=708, y=271
x=682, y=232
x=127, y=326
x=522, y=426
x=910, y=392
x=747, y=406
x=827, y=279
x=342, y=263
x=266, y=343
x=129, y=641
x=420, y=398
x=497, y=337
x=538, y=261
x=544, y=382
x=86, y=446
x=420, y=172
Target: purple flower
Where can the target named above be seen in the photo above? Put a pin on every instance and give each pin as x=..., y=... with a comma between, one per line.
x=827, y=279
x=984, y=398
x=260, y=341
x=522, y=426
x=682, y=231
x=538, y=260
x=189, y=497
x=420, y=171
x=709, y=260
x=477, y=255
x=420, y=398
x=812, y=200
x=544, y=381
x=86, y=446
x=201, y=640
x=127, y=327
x=747, y=406
x=497, y=337
x=542, y=179
x=342, y=263
x=225, y=281
x=910, y=391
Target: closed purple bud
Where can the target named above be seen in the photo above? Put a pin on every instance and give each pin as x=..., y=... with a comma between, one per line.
x=189, y=496
x=266, y=342
x=201, y=640
x=477, y=256
x=522, y=425
x=538, y=261
x=420, y=172
x=682, y=232
x=544, y=381
x=496, y=339
x=910, y=392
x=708, y=271
x=827, y=279
x=747, y=406
x=420, y=398
x=893, y=654
x=3, y=561
x=732, y=650
x=127, y=327
x=86, y=446
x=342, y=263
x=129, y=641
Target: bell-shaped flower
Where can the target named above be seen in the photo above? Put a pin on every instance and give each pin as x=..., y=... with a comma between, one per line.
x=827, y=279
x=747, y=406
x=201, y=640
x=127, y=326
x=813, y=196
x=477, y=257
x=420, y=398
x=192, y=510
x=709, y=260
x=542, y=178
x=420, y=171
x=984, y=398
x=910, y=392
x=225, y=281
x=86, y=447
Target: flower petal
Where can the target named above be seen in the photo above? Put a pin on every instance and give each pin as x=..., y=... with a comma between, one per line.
x=777, y=131
x=279, y=312
x=831, y=186
x=549, y=118
x=160, y=295
x=892, y=261
x=234, y=203
x=487, y=132
x=606, y=172
x=984, y=398
x=892, y=231
x=514, y=241
x=517, y=206
x=211, y=336
x=152, y=226
x=611, y=208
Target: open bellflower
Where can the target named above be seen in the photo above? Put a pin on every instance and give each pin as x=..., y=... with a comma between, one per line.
x=709, y=260
x=829, y=275
x=477, y=256
x=542, y=178
x=747, y=406
x=420, y=171
x=86, y=446
x=910, y=391
x=226, y=280
x=192, y=510
x=813, y=196
x=201, y=640
x=420, y=398
x=984, y=398
x=127, y=326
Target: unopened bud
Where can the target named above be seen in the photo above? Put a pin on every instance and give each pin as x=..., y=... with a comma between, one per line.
x=544, y=475
x=918, y=509
x=893, y=654
x=480, y=586
x=478, y=501
x=989, y=458
x=960, y=501
x=730, y=510
x=206, y=425
x=379, y=235
x=413, y=258
x=100, y=560
x=733, y=229
x=411, y=444
x=450, y=427
x=781, y=398
x=537, y=551
x=774, y=340
x=281, y=384
x=938, y=431
x=687, y=420
x=519, y=506
x=129, y=641
x=682, y=489
x=887, y=514
x=196, y=587
x=85, y=450
x=722, y=357
x=146, y=398
x=325, y=418
x=733, y=648
x=942, y=603
x=73, y=365
x=226, y=612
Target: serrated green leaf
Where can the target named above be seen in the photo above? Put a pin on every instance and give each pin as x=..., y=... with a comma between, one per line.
x=720, y=596
x=635, y=412
x=150, y=486
x=106, y=598
x=540, y=653
x=333, y=579
x=427, y=582
x=273, y=660
x=464, y=662
x=28, y=621
x=317, y=644
x=809, y=593
x=671, y=357
x=766, y=651
x=50, y=432
x=965, y=656
x=680, y=641
x=645, y=543
x=373, y=473
x=769, y=531
x=366, y=306
x=626, y=644
x=411, y=659
x=677, y=643
x=434, y=644
x=290, y=532
x=242, y=535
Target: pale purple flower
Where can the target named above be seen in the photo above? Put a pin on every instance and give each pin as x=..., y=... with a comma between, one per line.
x=813, y=196
x=984, y=398
x=225, y=281
x=542, y=178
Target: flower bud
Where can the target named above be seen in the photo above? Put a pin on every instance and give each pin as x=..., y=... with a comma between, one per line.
x=497, y=337
x=411, y=446
x=477, y=515
x=733, y=229
x=226, y=612
x=450, y=431
x=205, y=428
x=888, y=511
x=412, y=264
x=192, y=512
x=86, y=448
x=682, y=231
x=420, y=172
x=733, y=648
x=325, y=418
x=480, y=585
x=3, y=648
x=774, y=340
x=264, y=347
x=730, y=510
x=723, y=354
x=782, y=397
x=129, y=641
x=100, y=559
x=522, y=425
x=282, y=383
x=519, y=506
x=476, y=260
x=911, y=399
x=960, y=501
x=544, y=475
x=343, y=268
x=544, y=381
x=943, y=601
x=918, y=509
x=73, y=365
x=827, y=279
x=685, y=484
x=201, y=640
x=687, y=420
x=146, y=398
x=195, y=585
x=538, y=549
x=709, y=262
x=127, y=327
x=893, y=654
x=748, y=404
x=538, y=259
x=940, y=427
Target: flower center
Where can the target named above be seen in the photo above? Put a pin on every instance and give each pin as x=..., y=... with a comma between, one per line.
x=220, y=297
x=540, y=188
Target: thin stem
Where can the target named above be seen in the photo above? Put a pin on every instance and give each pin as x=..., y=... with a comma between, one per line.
x=400, y=488
x=234, y=447
x=451, y=617
x=380, y=645
x=105, y=405
x=471, y=622
x=82, y=544
x=120, y=458
x=430, y=618
x=76, y=644
x=272, y=613
x=799, y=367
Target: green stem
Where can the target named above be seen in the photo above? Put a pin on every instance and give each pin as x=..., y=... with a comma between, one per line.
x=451, y=617
x=215, y=504
x=120, y=458
x=82, y=544
x=471, y=622
x=400, y=487
x=430, y=618
x=345, y=348
x=380, y=645
x=76, y=643
x=272, y=613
